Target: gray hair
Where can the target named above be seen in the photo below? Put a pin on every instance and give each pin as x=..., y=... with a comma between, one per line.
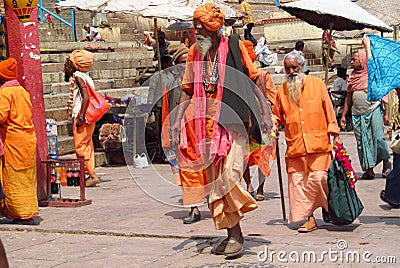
x=296, y=56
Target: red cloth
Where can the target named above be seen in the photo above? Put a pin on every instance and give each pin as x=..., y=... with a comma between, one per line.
x=210, y=15
x=358, y=79
x=8, y=69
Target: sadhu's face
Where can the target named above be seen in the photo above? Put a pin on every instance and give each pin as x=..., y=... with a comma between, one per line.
x=199, y=29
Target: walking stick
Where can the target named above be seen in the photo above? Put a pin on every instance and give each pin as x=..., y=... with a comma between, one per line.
x=278, y=161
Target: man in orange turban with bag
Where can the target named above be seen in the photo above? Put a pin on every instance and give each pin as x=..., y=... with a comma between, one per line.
x=225, y=104
x=75, y=69
x=17, y=148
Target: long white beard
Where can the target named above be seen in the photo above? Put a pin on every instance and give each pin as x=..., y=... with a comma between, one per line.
x=294, y=84
x=203, y=44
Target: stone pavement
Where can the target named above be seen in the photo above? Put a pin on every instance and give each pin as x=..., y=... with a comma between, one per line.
x=135, y=221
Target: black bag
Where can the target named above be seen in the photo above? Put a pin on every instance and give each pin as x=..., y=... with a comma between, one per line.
x=239, y=98
x=344, y=204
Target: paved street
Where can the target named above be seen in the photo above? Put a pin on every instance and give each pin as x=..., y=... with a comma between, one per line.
x=135, y=221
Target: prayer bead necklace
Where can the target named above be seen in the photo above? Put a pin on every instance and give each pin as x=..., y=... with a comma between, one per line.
x=213, y=78
x=71, y=97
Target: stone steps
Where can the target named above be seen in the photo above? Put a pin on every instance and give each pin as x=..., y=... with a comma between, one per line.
x=57, y=101
x=56, y=54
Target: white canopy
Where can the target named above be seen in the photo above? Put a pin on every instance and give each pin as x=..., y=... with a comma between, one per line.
x=342, y=14
x=169, y=9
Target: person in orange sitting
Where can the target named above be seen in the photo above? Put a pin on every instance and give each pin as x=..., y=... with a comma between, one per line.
x=76, y=68
x=18, y=163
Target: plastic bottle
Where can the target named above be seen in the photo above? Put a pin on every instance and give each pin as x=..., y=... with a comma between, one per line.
x=171, y=157
x=57, y=171
x=63, y=178
x=52, y=143
x=70, y=181
x=75, y=174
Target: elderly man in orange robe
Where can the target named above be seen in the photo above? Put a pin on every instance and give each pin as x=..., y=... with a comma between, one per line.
x=18, y=163
x=304, y=108
x=214, y=86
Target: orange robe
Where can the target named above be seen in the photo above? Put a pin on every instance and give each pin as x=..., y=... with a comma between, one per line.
x=308, y=155
x=19, y=160
x=228, y=200
x=261, y=156
x=84, y=146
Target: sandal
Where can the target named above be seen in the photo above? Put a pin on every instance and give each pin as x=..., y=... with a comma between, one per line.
x=386, y=169
x=307, y=227
x=260, y=197
x=367, y=176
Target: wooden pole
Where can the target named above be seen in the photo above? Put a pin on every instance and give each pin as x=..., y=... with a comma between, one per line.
x=278, y=161
x=157, y=44
x=327, y=57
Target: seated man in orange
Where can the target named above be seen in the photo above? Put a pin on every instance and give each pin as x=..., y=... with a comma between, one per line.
x=18, y=164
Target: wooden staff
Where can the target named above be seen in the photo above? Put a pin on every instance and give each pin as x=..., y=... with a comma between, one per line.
x=278, y=161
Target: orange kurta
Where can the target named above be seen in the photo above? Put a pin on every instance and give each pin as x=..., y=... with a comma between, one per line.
x=18, y=175
x=307, y=126
x=16, y=127
x=308, y=155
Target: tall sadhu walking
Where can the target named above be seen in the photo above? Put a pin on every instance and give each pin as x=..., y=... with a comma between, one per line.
x=215, y=68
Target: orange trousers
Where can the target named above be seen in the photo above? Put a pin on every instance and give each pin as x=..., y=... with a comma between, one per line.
x=84, y=145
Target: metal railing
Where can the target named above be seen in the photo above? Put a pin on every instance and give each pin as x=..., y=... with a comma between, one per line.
x=69, y=24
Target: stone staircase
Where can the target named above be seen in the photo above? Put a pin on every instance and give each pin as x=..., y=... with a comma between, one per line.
x=117, y=71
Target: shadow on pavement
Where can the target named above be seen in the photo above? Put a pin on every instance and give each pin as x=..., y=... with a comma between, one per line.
x=390, y=220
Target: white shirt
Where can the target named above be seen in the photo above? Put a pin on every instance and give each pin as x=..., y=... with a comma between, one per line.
x=91, y=34
x=77, y=100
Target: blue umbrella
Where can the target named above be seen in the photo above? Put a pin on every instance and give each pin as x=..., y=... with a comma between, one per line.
x=180, y=26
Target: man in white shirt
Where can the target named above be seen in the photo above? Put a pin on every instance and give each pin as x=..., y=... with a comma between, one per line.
x=92, y=34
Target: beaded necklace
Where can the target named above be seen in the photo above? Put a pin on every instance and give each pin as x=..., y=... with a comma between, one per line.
x=71, y=96
x=211, y=79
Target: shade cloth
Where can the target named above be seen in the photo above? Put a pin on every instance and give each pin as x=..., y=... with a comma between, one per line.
x=383, y=68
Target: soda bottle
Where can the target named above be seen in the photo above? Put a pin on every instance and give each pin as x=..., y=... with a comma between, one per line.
x=53, y=180
x=63, y=178
x=75, y=174
x=70, y=181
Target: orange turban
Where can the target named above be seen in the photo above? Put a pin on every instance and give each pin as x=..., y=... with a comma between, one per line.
x=210, y=15
x=249, y=46
x=8, y=69
x=82, y=60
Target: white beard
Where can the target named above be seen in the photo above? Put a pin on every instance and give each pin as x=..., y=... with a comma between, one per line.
x=294, y=83
x=203, y=44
